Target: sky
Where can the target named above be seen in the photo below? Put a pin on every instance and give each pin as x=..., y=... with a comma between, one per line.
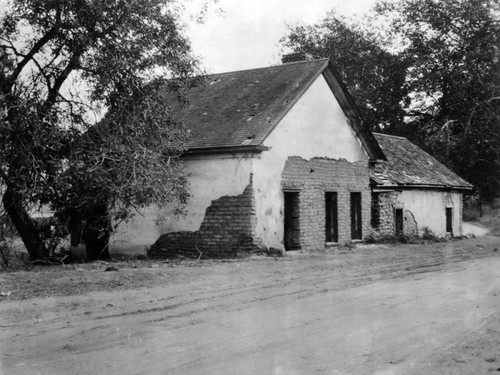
x=245, y=34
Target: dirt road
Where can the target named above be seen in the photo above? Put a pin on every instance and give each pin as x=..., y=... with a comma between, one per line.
x=369, y=310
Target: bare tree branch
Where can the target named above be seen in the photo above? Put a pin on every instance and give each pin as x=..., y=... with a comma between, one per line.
x=34, y=50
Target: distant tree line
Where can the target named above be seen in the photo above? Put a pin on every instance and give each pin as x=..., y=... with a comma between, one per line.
x=425, y=69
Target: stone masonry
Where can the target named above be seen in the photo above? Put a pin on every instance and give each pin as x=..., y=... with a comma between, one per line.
x=384, y=205
x=228, y=229
x=312, y=178
x=383, y=220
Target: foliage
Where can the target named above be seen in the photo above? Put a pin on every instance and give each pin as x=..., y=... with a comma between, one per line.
x=431, y=70
x=453, y=48
x=117, y=52
x=53, y=233
x=375, y=77
x=429, y=235
x=372, y=237
x=11, y=254
x=7, y=234
x=426, y=237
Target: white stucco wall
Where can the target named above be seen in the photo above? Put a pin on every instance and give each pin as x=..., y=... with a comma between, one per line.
x=429, y=209
x=211, y=177
x=315, y=127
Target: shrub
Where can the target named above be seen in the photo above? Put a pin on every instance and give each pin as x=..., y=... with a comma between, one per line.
x=54, y=234
x=429, y=235
x=373, y=237
x=6, y=253
x=7, y=235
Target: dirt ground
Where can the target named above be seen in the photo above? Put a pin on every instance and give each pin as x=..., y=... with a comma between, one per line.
x=372, y=309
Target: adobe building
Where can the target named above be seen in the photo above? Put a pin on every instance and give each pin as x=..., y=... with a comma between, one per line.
x=279, y=158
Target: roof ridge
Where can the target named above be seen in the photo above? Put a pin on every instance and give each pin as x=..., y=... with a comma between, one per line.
x=268, y=67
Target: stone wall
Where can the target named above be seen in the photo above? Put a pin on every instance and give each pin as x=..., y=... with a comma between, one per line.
x=383, y=206
x=227, y=230
x=422, y=208
x=312, y=178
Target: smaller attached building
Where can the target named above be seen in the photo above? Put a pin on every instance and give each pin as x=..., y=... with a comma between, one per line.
x=412, y=191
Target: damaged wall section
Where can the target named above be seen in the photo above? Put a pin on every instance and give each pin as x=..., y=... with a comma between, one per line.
x=227, y=230
x=384, y=215
x=312, y=179
x=421, y=209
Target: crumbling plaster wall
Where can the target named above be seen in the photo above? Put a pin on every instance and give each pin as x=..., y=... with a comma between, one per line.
x=228, y=229
x=210, y=178
x=316, y=126
x=422, y=207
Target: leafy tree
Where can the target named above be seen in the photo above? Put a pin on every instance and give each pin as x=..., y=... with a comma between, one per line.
x=453, y=47
x=434, y=68
x=375, y=77
x=61, y=62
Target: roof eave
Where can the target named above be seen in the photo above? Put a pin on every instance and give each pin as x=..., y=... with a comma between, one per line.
x=424, y=186
x=352, y=112
x=255, y=149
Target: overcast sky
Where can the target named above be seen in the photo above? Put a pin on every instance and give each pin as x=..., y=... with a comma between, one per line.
x=246, y=33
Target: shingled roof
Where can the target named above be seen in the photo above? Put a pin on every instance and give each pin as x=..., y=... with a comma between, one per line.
x=238, y=110
x=408, y=165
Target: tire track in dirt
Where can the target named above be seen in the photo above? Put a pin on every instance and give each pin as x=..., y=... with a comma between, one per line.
x=139, y=314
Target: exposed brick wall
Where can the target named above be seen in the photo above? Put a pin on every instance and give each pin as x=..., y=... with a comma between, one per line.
x=228, y=228
x=312, y=178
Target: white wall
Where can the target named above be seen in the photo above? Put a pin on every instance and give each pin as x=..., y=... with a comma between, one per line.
x=211, y=177
x=315, y=127
x=429, y=209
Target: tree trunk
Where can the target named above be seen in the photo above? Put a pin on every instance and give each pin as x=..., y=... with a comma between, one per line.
x=97, y=233
x=24, y=225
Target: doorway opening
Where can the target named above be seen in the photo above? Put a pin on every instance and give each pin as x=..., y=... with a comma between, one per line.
x=449, y=220
x=399, y=221
x=292, y=222
x=331, y=217
x=356, y=224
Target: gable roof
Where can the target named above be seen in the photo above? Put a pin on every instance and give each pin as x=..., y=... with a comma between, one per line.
x=238, y=110
x=410, y=166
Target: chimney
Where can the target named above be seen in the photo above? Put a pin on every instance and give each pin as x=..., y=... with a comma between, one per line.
x=296, y=56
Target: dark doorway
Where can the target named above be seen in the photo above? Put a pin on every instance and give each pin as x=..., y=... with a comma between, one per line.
x=449, y=219
x=331, y=217
x=356, y=216
x=399, y=220
x=292, y=228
